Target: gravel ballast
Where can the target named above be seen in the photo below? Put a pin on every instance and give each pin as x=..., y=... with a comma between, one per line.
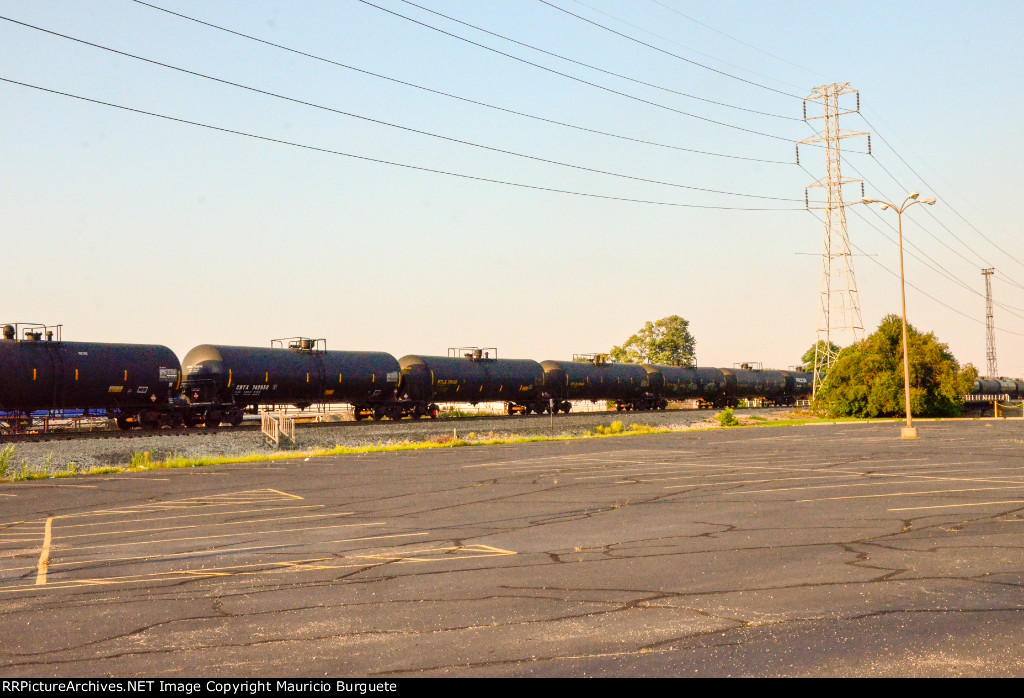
x=59, y=456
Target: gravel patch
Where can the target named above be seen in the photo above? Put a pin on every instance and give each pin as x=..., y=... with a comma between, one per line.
x=60, y=456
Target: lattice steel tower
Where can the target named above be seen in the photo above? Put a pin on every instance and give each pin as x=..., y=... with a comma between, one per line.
x=990, y=328
x=839, y=318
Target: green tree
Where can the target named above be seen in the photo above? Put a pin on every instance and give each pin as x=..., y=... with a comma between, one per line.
x=667, y=342
x=867, y=379
x=808, y=358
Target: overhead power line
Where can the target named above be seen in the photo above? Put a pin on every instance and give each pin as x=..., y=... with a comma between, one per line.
x=936, y=219
x=920, y=290
x=458, y=97
x=390, y=124
x=934, y=265
x=366, y=158
x=593, y=67
x=682, y=46
x=733, y=38
x=942, y=242
x=921, y=256
x=661, y=50
x=931, y=188
x=575, y=78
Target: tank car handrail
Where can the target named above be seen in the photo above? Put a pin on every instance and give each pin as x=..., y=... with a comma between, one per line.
x=309, y=344
x=31, y=331
x=473, y=353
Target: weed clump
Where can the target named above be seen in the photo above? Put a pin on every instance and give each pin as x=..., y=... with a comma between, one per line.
x=726, y=418
x=6, y=454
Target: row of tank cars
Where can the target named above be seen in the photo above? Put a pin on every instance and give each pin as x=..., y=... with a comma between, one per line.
x=143, y=385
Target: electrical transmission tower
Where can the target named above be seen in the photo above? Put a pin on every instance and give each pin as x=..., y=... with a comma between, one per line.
x=839, y=315
x=990, y=328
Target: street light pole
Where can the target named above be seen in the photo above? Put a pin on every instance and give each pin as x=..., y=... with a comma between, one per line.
x=909, y=431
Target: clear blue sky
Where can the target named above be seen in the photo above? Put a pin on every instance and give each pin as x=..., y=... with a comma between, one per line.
x=126, y=227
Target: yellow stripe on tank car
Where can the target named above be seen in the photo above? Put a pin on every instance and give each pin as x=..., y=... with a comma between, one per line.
x=229, y=377
x=33, y=374
x=307, y=377
x=76, y=374
x=126, y=375
x=339, y=377
x=266, y=378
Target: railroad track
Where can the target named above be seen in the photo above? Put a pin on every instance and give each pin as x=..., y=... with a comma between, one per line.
x=251, y=427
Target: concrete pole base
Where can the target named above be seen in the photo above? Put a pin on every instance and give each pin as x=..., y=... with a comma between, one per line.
x=908, y=432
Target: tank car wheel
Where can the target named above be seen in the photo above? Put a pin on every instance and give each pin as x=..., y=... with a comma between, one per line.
x=378, y=414
x=357, y=413
x=396, y=414
x=122, y=423
x=235, y=418
x=433, y=411
x=212, y=419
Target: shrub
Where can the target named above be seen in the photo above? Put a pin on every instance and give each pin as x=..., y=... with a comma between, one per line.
x=867, y=379
x=726, y=418
x=6, y=454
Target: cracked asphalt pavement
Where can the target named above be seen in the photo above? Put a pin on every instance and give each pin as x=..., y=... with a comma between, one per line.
x=820, y=550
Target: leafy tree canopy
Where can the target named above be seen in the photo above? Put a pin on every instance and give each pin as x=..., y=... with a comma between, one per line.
x=667, y=342
x=808, y=358
x=867, y=379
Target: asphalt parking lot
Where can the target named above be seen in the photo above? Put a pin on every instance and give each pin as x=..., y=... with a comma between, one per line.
x=817, y=550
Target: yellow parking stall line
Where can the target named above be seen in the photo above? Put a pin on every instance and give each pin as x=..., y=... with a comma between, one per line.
x=168, y=505
x=879, y=476
x=44, y=554
x=201, y=553
x=38, y=484
x=910, y=494
x=953, y=506
x=401, y=555
x=285, y=494
x=743, y=482
x=2, y=494
x=495, y=464
x=118, y=531
x=225, y=535
x=195, y=516
x=678, y=469
x=19, y=540
x=778, y=479
x=212, y=571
